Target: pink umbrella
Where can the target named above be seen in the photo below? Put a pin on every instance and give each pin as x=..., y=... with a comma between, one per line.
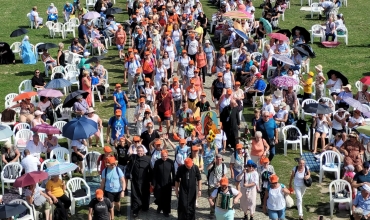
x=355, y=104
x=47, y=129
x=30, y=178
x=246, y=13
x=50, y=93
x=287, y=81
x=279, y=36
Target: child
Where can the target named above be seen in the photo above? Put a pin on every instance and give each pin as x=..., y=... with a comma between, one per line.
x=103, y=157
x=349, y=174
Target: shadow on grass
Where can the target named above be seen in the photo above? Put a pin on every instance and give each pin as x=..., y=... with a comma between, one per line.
x=366, y=73
x=25, y=73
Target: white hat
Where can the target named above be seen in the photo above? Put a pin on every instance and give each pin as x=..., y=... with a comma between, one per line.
x=38, y=112
x=52, y=163
x=282, y=104
x=366, y=187
x=278, y=93
x=8, y=144
x=91, y=110
x=207, y=42
x=51, y=4
x=86, y=54
x=341, y=110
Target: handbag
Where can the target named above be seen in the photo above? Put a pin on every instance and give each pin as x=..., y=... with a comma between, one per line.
x=213, y=70
x=289, y=201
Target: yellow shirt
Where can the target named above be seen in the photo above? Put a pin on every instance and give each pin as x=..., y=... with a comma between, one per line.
x=308, y=87
x=199, y=30
x=55, y=188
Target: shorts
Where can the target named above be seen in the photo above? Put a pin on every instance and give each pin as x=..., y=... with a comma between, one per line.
x=77, y=158
x=333, y=93
x=43, y=207
x=276, y=214
x=162, y=117
x=320, y=132
x=113, y=196
x=120, y=47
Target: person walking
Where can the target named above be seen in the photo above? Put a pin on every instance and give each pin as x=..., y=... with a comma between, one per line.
x=269, y=130
x=100, y=207
x=163, y=180
x=231, y=123
x=187, y=186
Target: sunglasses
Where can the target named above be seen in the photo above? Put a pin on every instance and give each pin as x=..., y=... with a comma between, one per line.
x=37, y=72
x=137, y=141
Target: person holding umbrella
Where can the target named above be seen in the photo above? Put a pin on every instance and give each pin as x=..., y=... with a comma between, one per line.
x=321, y=123
x=27, y=110
x=307, y=85
x=35, y=196
x=55, y=189
x=298, y=38
x=80, y=107
x=334, y=85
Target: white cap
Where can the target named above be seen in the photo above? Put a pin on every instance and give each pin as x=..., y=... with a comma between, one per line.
x=207, y=42
x=86, y=54
x=38, y=112
x=51, y=4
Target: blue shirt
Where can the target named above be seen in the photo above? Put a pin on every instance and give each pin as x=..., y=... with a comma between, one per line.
x=267, y=128
x=82, y=31
x=117, y=125
x=362, y=203
x=282, y=48
x=68, y=8
x=260, y=85
x=112, y=182
x=94, y=80
x=247, y=67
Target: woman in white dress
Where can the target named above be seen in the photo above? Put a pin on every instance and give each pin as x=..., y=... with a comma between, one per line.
x=168, y=65
x=160, y=74
x=249, y=181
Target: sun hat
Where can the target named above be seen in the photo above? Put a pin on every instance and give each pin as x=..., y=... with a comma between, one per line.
x=311, y=73
x=278, y=93
x=38, y=112
x=348, y=86
x=319, y=67
x=90, y=110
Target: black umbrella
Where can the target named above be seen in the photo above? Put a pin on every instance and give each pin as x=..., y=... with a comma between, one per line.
x=306, y=35
x=10, y=210
x=302, y=51
x=111, y=11
x=71, y=98
x=47, y=46
x=19, y=32
x=309, y=49
x=94, y=59
x=339, y=75
x=316, y=108
x=285, y=32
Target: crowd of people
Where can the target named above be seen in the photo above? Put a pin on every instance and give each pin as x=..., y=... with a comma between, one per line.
x=170, y=58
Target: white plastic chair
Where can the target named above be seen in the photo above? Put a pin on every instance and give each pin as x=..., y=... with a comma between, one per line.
x=43, y=164
x=306, y=136
x=338, y=186
x=359, y=85
x=294, y=142
x=90, y=3
x=58, y=28
x=20, y=126
x=262, y=97
x=14, y=170
x=317, y=31
x=94, y=48
x=235, y=57
x=331, y=157
x=75, y=22
x=65, y=112
x=305, y=102
x=72, y=76
x=57, y=69
x=329, y=102
x=59, y=125
x=10, y=96
x=50, y=26
x=345, y=35
x=91, y=163
x=61, y=154
x=30, y=21
x=69, y=28
x=73, y=185
x=108, y=39
x=25, y=86
x=24, y=135
x=31, y=215
x=344, y=2
x=315, y=9
x=38, y=54
x=270, y=71
x=16, y=48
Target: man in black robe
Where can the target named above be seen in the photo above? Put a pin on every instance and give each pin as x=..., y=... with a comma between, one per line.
x=188, y=180
x=163, y=180
x=6, y=54
x=140, y=173
x=230, y=123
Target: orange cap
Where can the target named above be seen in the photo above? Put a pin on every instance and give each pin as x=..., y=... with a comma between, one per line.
x=274, y=178
x=130, y=50
x=118, y=85
x=192, y=81
x=147, y=79
x=203, y=94
x=237, y=83
x=191, y=62
x=182, y=141
x=142, y=99
x=264, y=160
x=224, y=181
x=228, y=66
x=158, y=142
x=147, y=53
x=184, y=51
x=175, y=79
x=194, y=148
x=149, y=123
x=167, y=33
x=107, y=149
x=138, y=70
x=136, y=138
x=99, y=193
x=192, y=35
x=197, y=118
x=188, y=162
x=229, y=91
x=111, y=160
x=163, y=152
x=122, y=138
x=239, y=146
x=118, y=112
x=220, y=74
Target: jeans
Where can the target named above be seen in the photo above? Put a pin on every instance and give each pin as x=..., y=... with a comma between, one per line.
x=272, y=152
x=276, y=214
x=299, y=192
x=327, y=35
x=138, y=89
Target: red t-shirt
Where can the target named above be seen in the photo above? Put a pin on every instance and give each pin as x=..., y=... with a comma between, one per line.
x=164, y=102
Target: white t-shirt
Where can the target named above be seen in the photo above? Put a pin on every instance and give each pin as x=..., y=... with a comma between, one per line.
x=29, y=163
x=214, y=194
x=80, y=146
x=276, y=101
x=337, y=85
x=337, y=125
x=149, y=93
x=321, y=126
x=227, y=79
x=219, y=139
x=270, y=108
x=250, y=8
x=132, y=66
x=156, y=154
x=281, y=113
x=356, y=120
x=298, y=177
x=193, y=47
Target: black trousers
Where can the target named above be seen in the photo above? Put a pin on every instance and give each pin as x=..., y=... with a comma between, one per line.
x=204, y=72
x=163, y=198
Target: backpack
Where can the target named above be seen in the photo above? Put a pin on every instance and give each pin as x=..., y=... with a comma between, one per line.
x=292, y=134
x=301, y=125
x=290, y=120
x=219, y=190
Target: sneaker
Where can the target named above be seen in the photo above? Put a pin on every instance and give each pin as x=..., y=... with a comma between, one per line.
x=105, y=51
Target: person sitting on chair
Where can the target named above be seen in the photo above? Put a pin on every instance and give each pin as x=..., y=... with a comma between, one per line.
x=259, y=87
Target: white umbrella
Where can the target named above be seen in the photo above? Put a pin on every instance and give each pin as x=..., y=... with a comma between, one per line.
x=91, y=15
x=61, y=168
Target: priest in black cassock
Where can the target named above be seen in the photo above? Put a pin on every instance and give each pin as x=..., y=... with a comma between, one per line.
x=187, y=186
x=163, y=180
x=140, y=173
x=231, y=123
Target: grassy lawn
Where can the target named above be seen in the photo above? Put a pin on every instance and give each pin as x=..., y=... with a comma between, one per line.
x=350, y=60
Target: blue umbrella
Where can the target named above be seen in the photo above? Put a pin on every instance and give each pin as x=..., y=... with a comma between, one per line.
x=79, y=128
x=10, y=210
x=5, y=132
x=58, y=84
x=241, y=34
x=61, y=168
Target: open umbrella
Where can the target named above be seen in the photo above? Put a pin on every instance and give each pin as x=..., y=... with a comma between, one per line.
x=287, y=81
x=5, y=132
x=50, y=93
x=10, y=210
x=71, y=98
x=283, y=59
x=80, y=128
x=111, y=11
x=61, y=168
x=301, y=51
x=365, y=80
x=339, y=75
x=365, y=129
x=47, y=46
x=46, y=128
x=279, y=36
x=25, y=95
x=316, y=108
x=355, y=104
x=19, y=32
x=285, y=32
x=31, y=178
x=91, y=15
x=94, y=59
x=266, y=25
x=309, y=49
x=241, y=34
x=245, y=12
x=58, y=84
x=236, y=14
x=303, y=31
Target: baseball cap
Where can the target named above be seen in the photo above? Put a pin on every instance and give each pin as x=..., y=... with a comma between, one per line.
x=99, y=194
x=118, y=112
x=107, y=149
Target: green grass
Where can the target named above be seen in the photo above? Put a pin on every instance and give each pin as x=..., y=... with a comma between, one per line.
x=350, y=60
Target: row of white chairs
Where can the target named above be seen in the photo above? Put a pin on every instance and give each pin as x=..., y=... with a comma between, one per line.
x=318, y=30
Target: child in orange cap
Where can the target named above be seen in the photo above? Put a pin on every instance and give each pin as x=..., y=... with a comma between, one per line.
x=103, y=157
